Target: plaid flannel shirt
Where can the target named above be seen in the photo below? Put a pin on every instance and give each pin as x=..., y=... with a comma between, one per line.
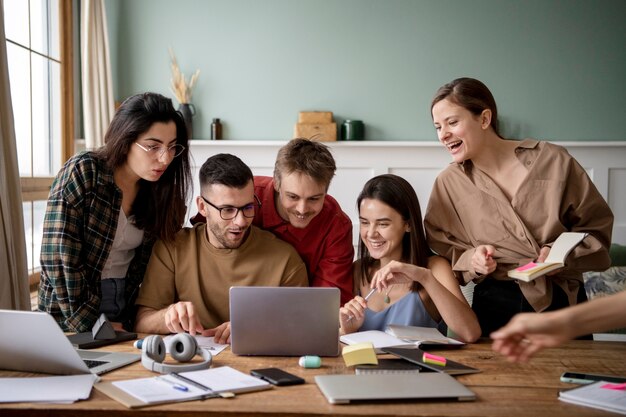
x=78, y=233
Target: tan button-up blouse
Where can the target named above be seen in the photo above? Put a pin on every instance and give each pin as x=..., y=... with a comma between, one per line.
x=467, y=209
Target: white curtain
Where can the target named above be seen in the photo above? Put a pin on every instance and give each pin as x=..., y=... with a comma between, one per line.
x=97, y=85
x=14, y=293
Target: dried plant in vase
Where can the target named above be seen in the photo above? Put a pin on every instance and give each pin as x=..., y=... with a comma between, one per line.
x=182, y=90
x=179, y=87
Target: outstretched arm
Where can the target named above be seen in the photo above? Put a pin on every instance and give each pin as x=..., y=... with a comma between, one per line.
x=443, y=289
x=528, y=333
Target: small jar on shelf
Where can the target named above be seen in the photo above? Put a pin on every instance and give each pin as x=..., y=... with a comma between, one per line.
x=216, y=129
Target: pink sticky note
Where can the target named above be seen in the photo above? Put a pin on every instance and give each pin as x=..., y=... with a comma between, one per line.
x=617, y=387
x=527, y=266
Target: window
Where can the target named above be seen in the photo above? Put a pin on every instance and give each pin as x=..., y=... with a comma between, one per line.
x=39, y=50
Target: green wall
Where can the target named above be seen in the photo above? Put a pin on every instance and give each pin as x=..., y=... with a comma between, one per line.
x=556, y=68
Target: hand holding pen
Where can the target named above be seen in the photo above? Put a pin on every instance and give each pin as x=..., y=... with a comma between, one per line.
x=354, y=310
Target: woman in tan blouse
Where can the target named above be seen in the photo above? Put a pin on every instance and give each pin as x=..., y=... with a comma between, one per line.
x=502, y=203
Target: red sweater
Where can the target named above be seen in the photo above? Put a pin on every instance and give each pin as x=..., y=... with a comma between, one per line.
x=325, y=245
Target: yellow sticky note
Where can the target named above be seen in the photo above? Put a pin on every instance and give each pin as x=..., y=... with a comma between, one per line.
x=359, y=354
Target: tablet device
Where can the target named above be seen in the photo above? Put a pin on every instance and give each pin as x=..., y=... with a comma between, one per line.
x=85, y=340
x=416, y=356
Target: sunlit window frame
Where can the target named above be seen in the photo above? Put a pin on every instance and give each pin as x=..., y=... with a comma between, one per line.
x=37, y=188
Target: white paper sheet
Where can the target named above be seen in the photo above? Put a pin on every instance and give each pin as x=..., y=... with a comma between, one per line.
x=65, y=389
x=204, y=342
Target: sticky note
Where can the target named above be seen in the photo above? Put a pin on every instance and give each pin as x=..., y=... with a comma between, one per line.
x=525, y=267
x=434, y=359
x=359, y=354
x=617, y=387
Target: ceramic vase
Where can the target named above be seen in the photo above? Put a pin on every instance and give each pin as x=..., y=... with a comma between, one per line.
x=187, y=110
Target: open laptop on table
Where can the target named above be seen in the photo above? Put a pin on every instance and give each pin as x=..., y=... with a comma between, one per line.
x=32, y=341
x=284, y=321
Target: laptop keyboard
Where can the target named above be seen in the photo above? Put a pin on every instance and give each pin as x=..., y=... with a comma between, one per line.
x=93, y=364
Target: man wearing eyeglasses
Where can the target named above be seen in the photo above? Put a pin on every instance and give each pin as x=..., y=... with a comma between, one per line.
x=186, y=285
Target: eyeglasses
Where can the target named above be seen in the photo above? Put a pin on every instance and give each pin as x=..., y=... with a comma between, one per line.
x=158, y=150
x=230, y=212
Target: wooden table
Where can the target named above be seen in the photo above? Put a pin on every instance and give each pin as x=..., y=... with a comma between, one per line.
x=502, y=389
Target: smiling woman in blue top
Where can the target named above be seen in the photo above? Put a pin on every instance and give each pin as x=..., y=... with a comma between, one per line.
x=413, y=287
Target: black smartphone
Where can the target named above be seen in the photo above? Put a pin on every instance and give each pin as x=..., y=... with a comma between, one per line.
x=580, y=378
x=277, y=376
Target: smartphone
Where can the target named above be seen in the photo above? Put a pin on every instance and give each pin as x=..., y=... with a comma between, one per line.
x=277, y=376
x=579, y=378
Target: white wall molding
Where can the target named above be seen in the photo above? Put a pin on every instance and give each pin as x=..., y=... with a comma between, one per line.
x=419, y=163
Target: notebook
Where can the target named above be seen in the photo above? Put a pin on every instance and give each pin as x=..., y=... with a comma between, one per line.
x=33, y=342
x=416, y=356
x=561, y=248
x=184, y=386
x=343, y=389
x=602, y=394
x=284, y=321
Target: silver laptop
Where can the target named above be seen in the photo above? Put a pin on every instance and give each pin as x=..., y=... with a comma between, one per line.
x=33, y=342
x=284, y=321
x=342, y=389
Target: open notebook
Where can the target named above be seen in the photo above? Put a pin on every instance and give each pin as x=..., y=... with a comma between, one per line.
x=184, y=386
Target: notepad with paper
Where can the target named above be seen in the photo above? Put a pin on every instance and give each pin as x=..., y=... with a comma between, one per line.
x=563, y=245
x=400, y=336
x=194, y=385
x=603, y=395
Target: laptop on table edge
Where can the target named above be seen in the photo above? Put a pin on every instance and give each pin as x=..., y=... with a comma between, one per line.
x=32, y=341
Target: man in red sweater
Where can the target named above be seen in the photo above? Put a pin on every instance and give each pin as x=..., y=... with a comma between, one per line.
x=295, y=207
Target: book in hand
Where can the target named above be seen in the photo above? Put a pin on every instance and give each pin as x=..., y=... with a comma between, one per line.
x=603, y=395
x=563, y=245
x=184, y=386
x=388, y=366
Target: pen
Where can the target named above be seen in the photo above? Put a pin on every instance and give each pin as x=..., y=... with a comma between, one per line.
x=210, y=394
x=175, y=385
x=369, y=294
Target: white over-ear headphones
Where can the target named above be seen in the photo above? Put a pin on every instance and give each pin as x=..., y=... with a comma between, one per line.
x=183, y=347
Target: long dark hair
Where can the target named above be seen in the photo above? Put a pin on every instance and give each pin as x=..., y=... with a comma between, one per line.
x=398, y=194
x=470, y=94
x=159, y=207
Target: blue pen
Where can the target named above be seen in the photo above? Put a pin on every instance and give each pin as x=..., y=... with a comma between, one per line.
x=175, y=385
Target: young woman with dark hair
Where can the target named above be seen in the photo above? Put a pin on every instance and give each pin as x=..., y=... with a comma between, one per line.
x=105, y=210
x=414, y=287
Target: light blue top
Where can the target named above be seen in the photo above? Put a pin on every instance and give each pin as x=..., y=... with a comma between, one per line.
x=407, y=311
